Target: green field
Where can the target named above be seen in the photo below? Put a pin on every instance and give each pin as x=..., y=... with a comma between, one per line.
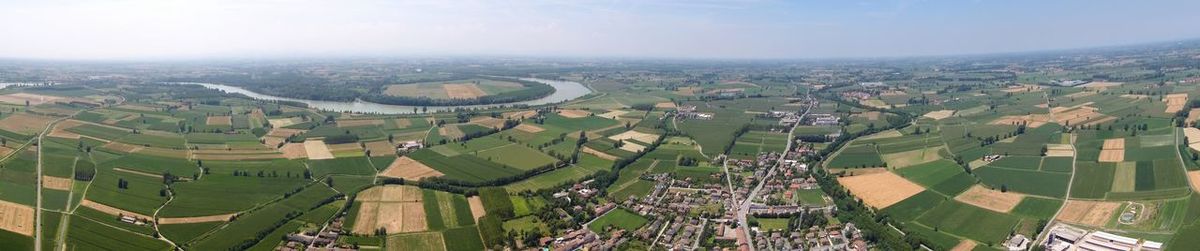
x=617, y=218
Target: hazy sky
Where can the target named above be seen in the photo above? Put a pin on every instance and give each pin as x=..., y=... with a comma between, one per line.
x=169, y=29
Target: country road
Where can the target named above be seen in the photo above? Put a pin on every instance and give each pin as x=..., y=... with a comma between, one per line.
x=744, y=208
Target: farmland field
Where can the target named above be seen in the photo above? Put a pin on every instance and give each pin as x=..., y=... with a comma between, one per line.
x=617, y=218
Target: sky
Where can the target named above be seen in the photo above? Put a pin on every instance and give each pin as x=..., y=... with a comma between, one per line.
x=697, y=29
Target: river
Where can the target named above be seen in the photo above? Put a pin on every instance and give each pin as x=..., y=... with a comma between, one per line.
x=563, y=91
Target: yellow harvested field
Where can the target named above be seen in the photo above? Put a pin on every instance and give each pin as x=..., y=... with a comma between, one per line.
x=5, y=151
x=613, y=114
x=529, y=128
x=871, y=115
x=397, y=209
x=293, y=151
x=463, y=91
x=409, y=169
x=1114, y=144
x=1193, y=137
x=1194, y=179
x=56, y=183
x=1175, y=102
x=1117, y=155
x=1135, y=96
x=359, y=122
x=381, y=148
x=519, y=114
x=990, y=199
x=632, y=147
x=635, y=135
x=1079, y=94
x=317, y=149
x=1113, y=150
x=964, y=245
x=600, y=154
x=1193, y=115
x=280, y=123
x=25, y=123
x=1089, y=213
x=1031, y=121
x=1100, y=85
x=687, y=91
x=450, y=132
x=476, y=207
x=402, y=123
x=196, y=219
x=1023, y=88
x=344, y=147
x=60, y=129
x=122, y=147
x=940, y=114
x=33, y=99
x=16, y=218
x=574, y=113
x=283, y=132
x=488, y=122
x=881, y=189
x=665, y=105
x=1076, y=115
x=1059, y=150
x=219, y=120
x=884, y=134
x=112, y=210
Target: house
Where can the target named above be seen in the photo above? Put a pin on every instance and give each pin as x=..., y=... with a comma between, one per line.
x=410, y=146
x=1017, y=243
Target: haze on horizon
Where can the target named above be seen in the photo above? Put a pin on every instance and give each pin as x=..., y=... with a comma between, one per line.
x=174, y=29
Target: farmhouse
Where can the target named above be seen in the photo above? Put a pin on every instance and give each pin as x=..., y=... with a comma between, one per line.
x=823, y=119
x=409, y=146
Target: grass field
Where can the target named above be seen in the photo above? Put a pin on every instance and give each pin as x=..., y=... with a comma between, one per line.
x=1039, y=208
x=618, y=218
x=1051, y=184
x=969, y=221
x=463, y=167
x=86, y=234
x=243, y=230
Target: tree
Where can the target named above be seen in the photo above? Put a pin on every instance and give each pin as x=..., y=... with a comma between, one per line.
x=1003, y=188
x=329, y=181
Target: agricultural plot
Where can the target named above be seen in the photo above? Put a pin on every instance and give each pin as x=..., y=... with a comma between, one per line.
x=264, y=219
x=446, y=210
x=881, y=189
x=212, y=195
x=969, y=221
x=463, y=167
x=587, y=165
x=397, y=209
x=409, y=169
x=1053, y=184
x=617, y=219
x=943, y=176
x=348, y=166
x=86, y=234
x=856, y=156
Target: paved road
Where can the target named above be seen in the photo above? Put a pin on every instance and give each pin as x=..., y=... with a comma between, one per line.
x=744, y=208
